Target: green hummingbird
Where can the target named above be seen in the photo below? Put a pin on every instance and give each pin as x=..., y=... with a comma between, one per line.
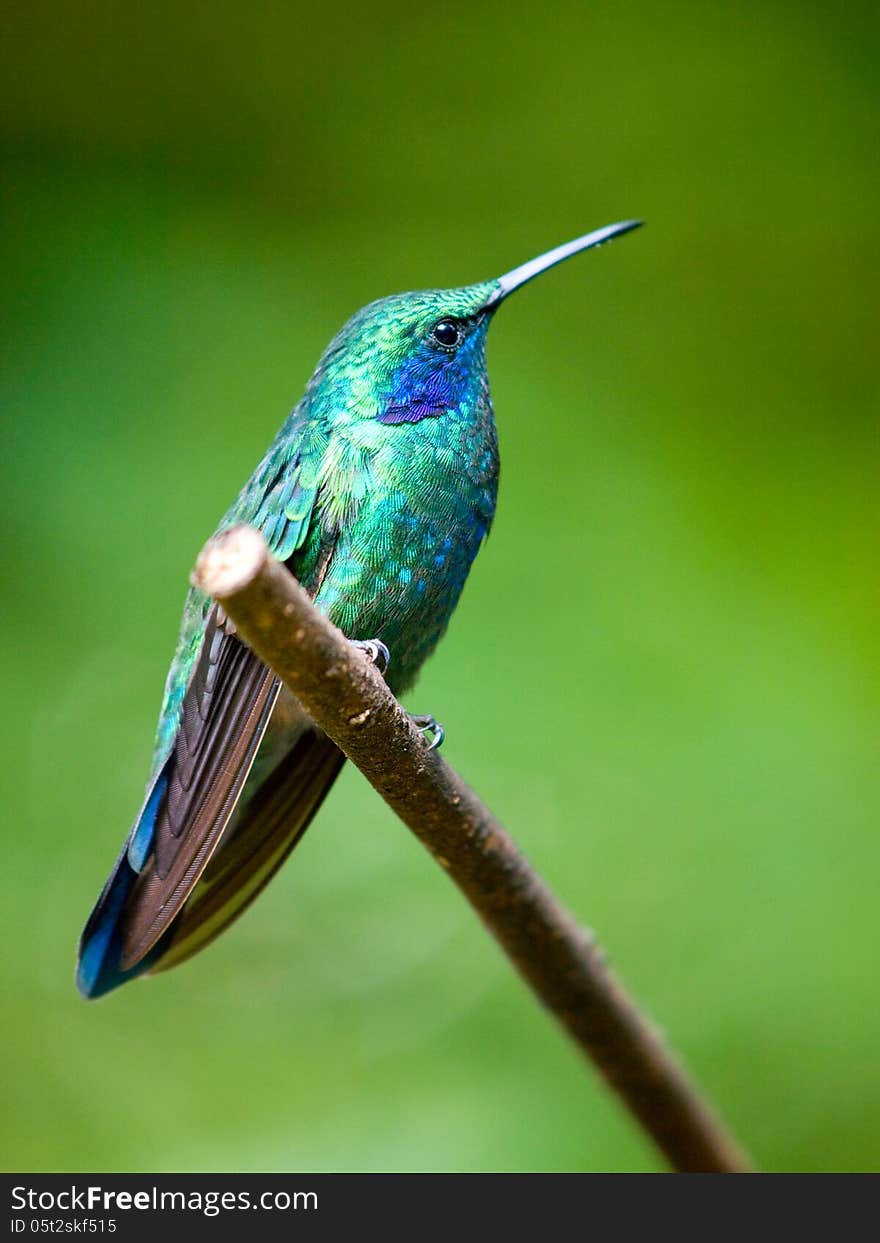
x=377, y=492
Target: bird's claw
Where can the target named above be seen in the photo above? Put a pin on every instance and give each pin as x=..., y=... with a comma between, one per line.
x=428, y=725
x=375, y=651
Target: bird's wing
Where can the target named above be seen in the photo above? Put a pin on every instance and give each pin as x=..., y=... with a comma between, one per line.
x=267, y=828
x=223, y=716
x=219, y=698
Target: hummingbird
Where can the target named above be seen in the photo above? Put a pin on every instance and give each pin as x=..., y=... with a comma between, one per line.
x=377, y=493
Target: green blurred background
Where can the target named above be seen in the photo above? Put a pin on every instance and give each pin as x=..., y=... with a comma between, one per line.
x=663, y=674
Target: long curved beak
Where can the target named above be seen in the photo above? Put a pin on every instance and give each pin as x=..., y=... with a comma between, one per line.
x=528, y=271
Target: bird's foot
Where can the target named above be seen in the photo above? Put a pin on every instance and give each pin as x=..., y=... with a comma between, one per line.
x=375, y=651
x=427, y=725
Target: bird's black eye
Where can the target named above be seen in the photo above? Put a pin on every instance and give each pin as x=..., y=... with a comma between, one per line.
x=446, y=333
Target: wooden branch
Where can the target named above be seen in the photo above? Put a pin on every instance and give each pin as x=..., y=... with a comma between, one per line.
x=347, y=697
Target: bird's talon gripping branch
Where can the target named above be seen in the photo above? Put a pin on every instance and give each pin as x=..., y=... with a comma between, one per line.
x=428, y=725
x=376, y=651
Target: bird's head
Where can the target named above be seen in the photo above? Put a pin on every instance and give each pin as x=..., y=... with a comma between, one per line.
x=415, y=356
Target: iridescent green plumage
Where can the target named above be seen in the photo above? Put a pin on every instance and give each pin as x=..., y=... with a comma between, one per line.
x=407, y=504
x=377, y=491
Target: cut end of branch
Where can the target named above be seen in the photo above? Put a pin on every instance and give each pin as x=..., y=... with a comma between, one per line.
x=230, y=561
